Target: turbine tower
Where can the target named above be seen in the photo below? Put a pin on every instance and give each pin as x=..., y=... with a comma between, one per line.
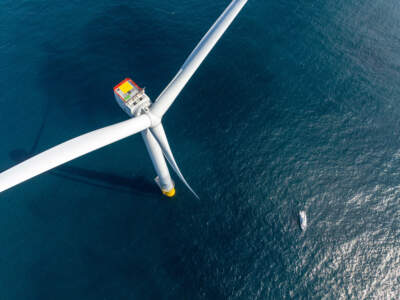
x=145, y=116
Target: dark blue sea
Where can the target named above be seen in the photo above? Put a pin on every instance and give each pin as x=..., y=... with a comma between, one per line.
x=297, y=108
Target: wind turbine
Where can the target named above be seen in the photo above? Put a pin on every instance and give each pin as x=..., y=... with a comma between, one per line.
x=145, y=116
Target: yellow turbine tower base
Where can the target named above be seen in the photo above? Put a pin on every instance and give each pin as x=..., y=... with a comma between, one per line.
x=169, y=193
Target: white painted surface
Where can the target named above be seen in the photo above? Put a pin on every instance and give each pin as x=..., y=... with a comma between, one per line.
x=159, y=133
x=158, y=160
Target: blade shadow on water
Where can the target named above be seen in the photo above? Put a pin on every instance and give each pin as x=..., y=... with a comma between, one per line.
x=137, y=184
x=41, y=128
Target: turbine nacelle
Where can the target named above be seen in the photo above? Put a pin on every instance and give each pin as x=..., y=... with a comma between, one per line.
x=131, y=98
x=134, y=101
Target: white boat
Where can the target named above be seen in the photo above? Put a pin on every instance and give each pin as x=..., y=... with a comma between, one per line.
x=303, y=220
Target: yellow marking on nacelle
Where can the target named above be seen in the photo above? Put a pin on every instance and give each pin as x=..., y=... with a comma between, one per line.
x=126, y=87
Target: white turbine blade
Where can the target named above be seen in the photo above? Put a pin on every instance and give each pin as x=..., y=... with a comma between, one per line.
x=167, y=97
x=70, y=150
x=159, y=134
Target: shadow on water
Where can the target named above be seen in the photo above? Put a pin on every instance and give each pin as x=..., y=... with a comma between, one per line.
x=137, y=184
x=19, y=155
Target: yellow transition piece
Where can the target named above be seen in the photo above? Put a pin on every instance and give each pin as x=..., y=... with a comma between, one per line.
x=170, y=193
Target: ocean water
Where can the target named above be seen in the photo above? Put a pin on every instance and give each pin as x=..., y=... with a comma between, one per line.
x=296, y=108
